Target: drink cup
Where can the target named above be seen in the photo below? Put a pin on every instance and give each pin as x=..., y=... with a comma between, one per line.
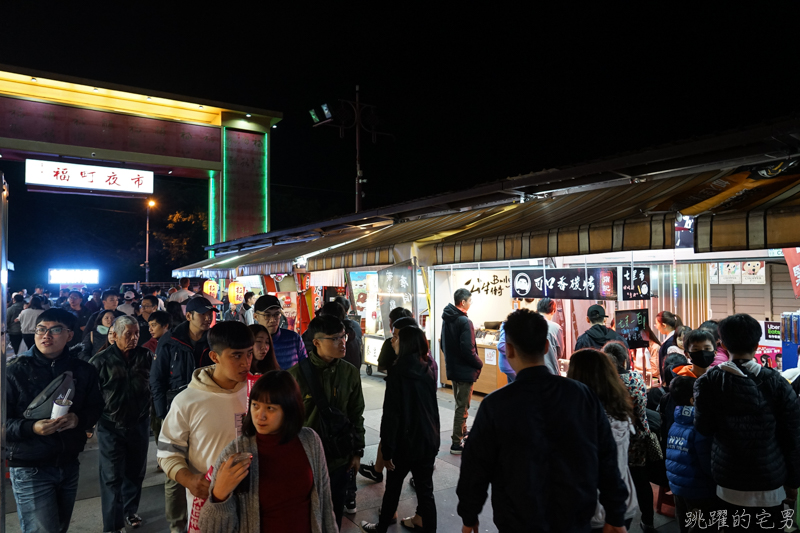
x=241, y=457
x=60, y=408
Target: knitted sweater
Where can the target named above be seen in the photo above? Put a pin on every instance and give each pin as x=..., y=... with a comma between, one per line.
x=240, y=512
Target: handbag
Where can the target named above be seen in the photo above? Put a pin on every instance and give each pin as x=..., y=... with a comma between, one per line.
x=337, y=432
x=42, y=406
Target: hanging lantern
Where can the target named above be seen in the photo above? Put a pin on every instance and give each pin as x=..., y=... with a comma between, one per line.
x=211, y=288
x=236, y=292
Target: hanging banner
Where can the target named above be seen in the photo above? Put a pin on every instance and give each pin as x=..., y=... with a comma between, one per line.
x=754, y=273
x=636, y=283
x=792, y=256
x=395, y=290
x=730, y=273
x=565, y=283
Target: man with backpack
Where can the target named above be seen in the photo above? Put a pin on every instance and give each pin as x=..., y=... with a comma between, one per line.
x=325, y=381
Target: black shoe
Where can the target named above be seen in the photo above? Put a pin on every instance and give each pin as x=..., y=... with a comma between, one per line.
x=457, y=449
x=350, y=504
x=369, y=472
x=367, y=527
x=133, y=520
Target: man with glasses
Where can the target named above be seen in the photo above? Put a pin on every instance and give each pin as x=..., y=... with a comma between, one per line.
x=289, y=348
x=148, y=307
x=342, y=383
x=43, y=453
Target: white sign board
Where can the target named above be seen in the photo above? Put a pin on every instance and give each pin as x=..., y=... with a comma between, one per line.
x=372, y=349
x=65, y=276
x=490, y=356
x=87, y=178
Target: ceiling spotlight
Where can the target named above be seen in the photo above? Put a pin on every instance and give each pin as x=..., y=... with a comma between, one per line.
x=248, y=115
x=201, y=107
x=149, y=98
x=95, y=89
x=34, y=79
x=274, y=126
x=170, y=172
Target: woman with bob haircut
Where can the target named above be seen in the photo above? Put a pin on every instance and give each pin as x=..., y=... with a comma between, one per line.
x=282, y=464
x=595, y=370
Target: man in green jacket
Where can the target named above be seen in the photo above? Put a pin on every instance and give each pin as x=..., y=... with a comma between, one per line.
x=341, y=383
x=123, y=432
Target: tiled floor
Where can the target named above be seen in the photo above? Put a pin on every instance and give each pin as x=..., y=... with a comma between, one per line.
x=86, y=516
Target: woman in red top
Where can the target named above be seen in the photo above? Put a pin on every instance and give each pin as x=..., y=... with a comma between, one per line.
x=282, y=464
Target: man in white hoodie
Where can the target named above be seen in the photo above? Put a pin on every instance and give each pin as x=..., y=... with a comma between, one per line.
x=208, y=415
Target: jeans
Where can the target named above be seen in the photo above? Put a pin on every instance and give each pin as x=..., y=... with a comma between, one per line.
x=16, y=340
x=462, y=392
x=123, y=460
x=339, y=480
x=644, y=493
x=422, y=471
x=45, y=496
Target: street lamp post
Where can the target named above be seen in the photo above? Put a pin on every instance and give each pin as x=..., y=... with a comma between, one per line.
x=150, y=204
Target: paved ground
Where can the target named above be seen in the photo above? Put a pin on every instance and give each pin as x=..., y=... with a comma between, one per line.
x=86, y=517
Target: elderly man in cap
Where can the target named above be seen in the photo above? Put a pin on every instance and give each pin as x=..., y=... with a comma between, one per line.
x=598, y=335
x=180, y=352
x=289, y=348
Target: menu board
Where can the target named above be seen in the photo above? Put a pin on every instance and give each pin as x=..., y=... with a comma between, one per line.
x=754, y=273
x=635, y=283
x=630, y=323
x=730, y=273
x=565, y=283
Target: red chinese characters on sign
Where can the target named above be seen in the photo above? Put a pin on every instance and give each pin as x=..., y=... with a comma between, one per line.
x=112, y=179
x=61, y=174
x=792, y=256
x=138, y=180
x=89, y=175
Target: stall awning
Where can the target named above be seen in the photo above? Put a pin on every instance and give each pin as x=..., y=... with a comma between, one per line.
x=280, y=258
x=636, y=216
x=222, y=266
x=376, y=248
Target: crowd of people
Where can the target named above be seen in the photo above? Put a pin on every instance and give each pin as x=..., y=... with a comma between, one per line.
x=258, y=428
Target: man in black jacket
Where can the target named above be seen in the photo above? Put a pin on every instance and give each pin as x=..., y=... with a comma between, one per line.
x=545, y=445
x=598, y=335
x=461, y=359
x=43, y=453
x=747, y=407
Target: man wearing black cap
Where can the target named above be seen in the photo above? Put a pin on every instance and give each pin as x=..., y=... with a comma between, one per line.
x=597, y=335
x=289, y=348
x=180, y=352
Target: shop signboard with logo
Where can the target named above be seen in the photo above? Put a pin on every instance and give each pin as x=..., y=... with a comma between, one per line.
x=635, y=283
x=565, y=283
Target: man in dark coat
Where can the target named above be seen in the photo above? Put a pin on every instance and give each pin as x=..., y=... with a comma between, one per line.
x=462, y=363
x=43, y=453
x=746, y=407
x=598, y=335
x=545, y=445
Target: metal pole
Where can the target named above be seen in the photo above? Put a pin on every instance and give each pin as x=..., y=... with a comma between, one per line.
x=358, y=153
x=3, y=343
x=147, y=247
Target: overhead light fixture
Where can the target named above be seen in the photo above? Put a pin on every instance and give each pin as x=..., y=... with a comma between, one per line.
x=248, y=115
x=34, y=79
x=274, y=126
x=170, y=172
x=149, y=98
x=326, y=111
x=95, y=89
x=201, y=107
x=313, y=115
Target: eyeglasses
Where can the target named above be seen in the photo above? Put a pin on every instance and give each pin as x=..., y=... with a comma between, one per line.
x=270, y=316
x=148, y=306
x=56, y=330
x=337, y=339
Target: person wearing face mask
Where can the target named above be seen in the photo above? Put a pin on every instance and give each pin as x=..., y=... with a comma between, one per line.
x=700, y=349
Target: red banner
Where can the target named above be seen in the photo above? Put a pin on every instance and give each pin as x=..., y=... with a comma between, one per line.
x=792, y=256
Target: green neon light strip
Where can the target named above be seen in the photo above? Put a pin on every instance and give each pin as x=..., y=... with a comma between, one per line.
x=212, y=210
x=224, y=176
x=266, y=185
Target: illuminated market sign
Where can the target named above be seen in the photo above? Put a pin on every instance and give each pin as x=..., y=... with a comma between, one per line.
x=565, y=283
x=66, y=276
x=56, y=176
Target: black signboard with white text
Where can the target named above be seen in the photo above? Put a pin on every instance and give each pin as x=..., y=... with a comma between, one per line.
x=565, y=283
x=772, y=331
x=629, y=324
x=636, y=283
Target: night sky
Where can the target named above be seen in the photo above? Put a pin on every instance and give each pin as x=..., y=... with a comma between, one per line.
x=470, y=97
